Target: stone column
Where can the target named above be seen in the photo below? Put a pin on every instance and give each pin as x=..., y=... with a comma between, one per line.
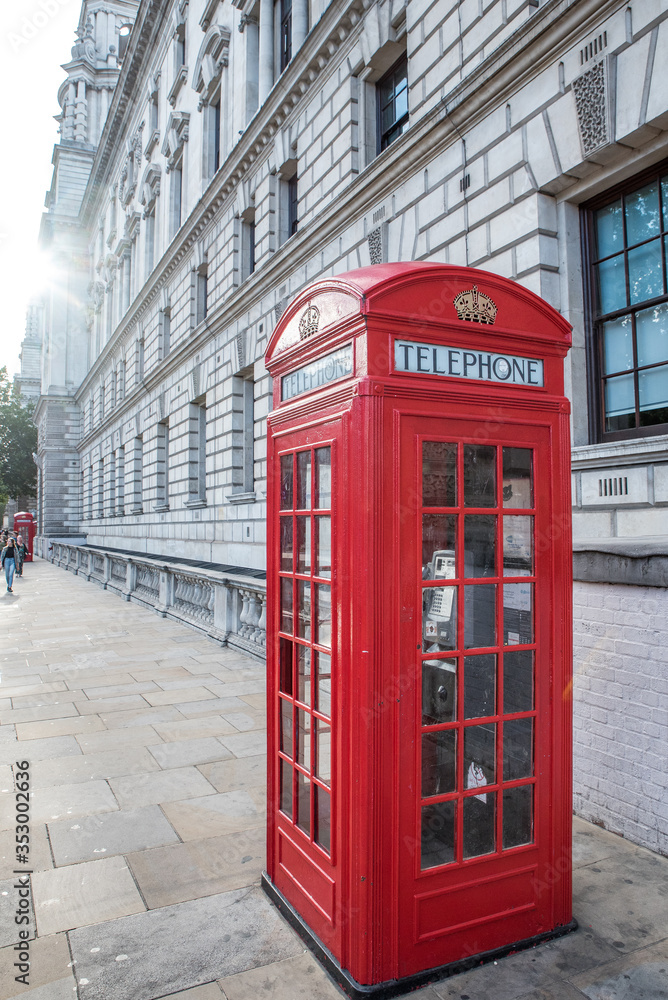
x=266, y=70
x=299, y=24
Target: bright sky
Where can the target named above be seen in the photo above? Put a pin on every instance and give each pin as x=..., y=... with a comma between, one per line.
x=36, y=39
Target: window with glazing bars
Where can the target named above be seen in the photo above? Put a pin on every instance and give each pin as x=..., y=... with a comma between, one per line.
x=392, y=92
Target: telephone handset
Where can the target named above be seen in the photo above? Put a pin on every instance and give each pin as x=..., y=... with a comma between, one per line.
x=440, y=610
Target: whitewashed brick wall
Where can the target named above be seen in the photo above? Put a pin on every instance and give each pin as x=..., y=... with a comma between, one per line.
x=620, y=698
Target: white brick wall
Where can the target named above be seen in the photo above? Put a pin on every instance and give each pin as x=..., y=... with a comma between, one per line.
x=620, y=695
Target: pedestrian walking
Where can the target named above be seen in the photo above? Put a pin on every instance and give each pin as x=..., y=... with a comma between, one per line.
x=21, y=552
x=8, y=560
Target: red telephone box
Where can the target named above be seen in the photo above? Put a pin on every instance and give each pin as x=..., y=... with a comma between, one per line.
x=24, y=524
x=419, y=623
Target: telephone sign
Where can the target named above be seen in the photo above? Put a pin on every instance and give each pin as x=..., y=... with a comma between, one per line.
x=418, y=623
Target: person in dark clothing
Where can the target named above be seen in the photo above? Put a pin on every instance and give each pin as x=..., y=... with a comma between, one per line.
x=8, y=558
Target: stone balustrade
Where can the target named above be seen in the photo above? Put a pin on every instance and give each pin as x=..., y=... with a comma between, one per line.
x=228, y=607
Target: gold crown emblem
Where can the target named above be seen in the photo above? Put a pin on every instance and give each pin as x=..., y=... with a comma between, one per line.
x=308, y=324
x=475, y=307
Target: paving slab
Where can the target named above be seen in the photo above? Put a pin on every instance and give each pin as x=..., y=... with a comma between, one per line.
x=88, y=893
x=40, y=851
x=140, y=717
x=246, y=744
x=179, y=947
x=105, y=706
x=108, y=834
x=211, y=991
x=212, y=725
x=214, y=815
x=71, y=800
x=61, y=989
x=215, y=706
x=40, y=749
x=185, y=752
x=37, y=714
x=200, y=867
x=246, y=722
x=49, y=962
x=59, y=727
x=9, y=903
x=242, y=772
x=160, y=786
x=137, y=736
x=8, y=733
x=641, y=975
x=299, y=978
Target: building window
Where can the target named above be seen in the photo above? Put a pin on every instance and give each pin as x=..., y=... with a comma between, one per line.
x=215, y=127
x=288, y=207
x=392, y=92
x=197, y=453
x=293, y=205
x=120, y=482
x=180, y=46
x=165, y=331
x=627, y=243
x=247, y=247
x=150, y=240
x=162, y=466
x=176, y=198
x=100, y=488
x=243, y=471
x=201, y=294
x=136, y=474
x=286, y=33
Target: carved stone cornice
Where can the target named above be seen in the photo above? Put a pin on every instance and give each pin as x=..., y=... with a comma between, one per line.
x=213, y=57
x=181, y=77
x=176, y=134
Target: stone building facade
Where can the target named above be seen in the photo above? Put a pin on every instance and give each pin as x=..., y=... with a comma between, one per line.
x=218, y=155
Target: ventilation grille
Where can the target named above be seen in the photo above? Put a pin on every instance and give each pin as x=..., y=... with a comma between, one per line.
x=615, y=487
x=593, y=48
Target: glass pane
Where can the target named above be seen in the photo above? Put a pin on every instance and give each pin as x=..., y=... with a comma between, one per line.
x=645, y=272
x=303, y=803
x=439, y=618
x=322, y=818
x=286, y=788
x=480, y=615
x=304, y=480
x=439, y=474
x=303, y=544
x=438, y=546
x=618, y=345
x=517, y=613
x=479, y=475
x=479, y=686
x=620, y=407
x=303, y=739
x=642, y=214
x=480, y=756
x=286, y=544
x=286, y=481
x=323, y=666
x=286, y=605
x=304, y=674
x=439, y=762
x=518, y=681
x=438, y=834
x=323, y=749
x=439, y=691
x=664, y=199
x=653, y=395
x=285, y=680
x=479, y=545
x=479, y=825
x=517, y=816
x=517, y=749
x=611, y=281
x=323, y=477
x=286, y=727
x=517, y=477
x=652, y=335
x=304, y=609
x=609, y=229
x=323, y=565
x=323, y=622
x=518, y=546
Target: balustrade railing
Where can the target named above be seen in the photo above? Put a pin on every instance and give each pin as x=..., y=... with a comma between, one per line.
x=228, y=607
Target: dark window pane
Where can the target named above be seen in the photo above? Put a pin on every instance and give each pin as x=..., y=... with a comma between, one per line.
x=479, y=545
x=303, y=544
x=304, y=674
x=518, y=681
x=652, y=334
x=303, y=803
x=439, y=691
x=286, y=481
x=323, y=478
x=517, y=477
x=642, y=214
x=304, y=480
x=285, y=682
x=517, y=613
x=645, y=272
x=438, y=834
x=611, y=284
x=286, y=727
x=323, y=750
x=517, y=816
x=439, y=474
x=479, y=825
x=304, y=739
x=304, y=609
x=438, y=546
x=322, y=834
x=286, y=544
x=479, y=475
x=439, y=762
x=609, y=229
x=286, y=605
x=323, y=617
x=323, y=665
x=517, y=749
x=480, y=755
x=518, y=545
x=480, y=615
x=653, y=395
x=286, y=788
x=439, y=618
x=323, y=566
x=479, y=685
x=618, y=345
x=620, y=406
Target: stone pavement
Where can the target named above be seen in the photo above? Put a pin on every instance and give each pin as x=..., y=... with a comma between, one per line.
x=146, y=746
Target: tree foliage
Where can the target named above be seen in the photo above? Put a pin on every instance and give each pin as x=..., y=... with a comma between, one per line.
x=18, y=441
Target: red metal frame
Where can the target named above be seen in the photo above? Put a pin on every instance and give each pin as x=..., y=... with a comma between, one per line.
x=24, y=523
x=375, y=916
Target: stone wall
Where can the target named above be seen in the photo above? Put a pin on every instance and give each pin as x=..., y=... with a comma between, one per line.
x=620, y=695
